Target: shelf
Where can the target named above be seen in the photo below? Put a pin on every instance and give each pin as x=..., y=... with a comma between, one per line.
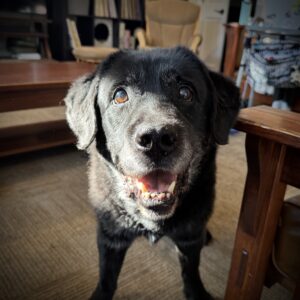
x=85, y=20
x=130, y=20
x=92, y=17
x=23, y=34
x=80, y=16
x=105, y=18
x=11, y=17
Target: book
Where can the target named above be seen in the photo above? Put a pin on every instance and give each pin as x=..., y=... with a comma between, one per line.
x=139, y=10
x=112, y=9
x=105, y=8
x=121, y=34
x=29, y=56
x=99, y=9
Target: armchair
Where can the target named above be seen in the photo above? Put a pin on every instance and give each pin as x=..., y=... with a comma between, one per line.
x=170, y=23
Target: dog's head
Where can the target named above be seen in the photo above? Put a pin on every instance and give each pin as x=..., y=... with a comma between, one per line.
x=153, y=115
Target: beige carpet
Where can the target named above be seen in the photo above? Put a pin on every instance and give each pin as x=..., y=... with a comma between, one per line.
x=47, y=233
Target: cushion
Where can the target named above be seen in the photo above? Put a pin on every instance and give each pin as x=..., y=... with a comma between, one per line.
x=93, y=53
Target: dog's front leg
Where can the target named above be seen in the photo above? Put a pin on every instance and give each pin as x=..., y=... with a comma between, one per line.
x=111, y=257
x=189, y=257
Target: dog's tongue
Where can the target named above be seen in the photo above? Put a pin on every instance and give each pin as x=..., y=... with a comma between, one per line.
x=157, y=181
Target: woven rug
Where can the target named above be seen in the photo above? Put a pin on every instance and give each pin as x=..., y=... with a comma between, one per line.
x=48, y=241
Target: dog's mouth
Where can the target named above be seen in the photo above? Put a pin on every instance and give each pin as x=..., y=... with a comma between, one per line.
x=155, y=193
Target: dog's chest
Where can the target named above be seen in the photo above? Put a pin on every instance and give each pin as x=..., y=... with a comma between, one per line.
x=153, y=237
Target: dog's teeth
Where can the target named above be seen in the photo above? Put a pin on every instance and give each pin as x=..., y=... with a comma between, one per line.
x=141, y=187
x=146, y=195
x=168, y=195
x=172, y=187
x=161, y=196
x=152, y=195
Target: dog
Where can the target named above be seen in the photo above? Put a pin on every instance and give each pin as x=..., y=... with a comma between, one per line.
x=151, y=122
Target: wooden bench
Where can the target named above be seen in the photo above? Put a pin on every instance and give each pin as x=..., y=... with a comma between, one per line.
x=31, y=108
x=273, y=158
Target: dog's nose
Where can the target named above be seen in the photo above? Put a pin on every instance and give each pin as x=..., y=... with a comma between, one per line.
x=161, y=141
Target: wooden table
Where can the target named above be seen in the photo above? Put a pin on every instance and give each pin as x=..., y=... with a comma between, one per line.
x=29, y=91
x=273, y=159
x=37, y=84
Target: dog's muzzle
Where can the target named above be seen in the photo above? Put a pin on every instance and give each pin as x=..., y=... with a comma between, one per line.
x=156, y=143
x=155, y=193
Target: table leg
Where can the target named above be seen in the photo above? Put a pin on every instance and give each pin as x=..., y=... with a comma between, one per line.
x=262, y=201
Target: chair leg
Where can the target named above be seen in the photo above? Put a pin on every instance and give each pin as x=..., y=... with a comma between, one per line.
x=271, y=275
x=245, y=88
x=251, y=96
x=296, y=294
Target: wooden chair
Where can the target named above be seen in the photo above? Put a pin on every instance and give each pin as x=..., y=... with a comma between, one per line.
x=86, y=53
x=170, y=23
x=234, y=48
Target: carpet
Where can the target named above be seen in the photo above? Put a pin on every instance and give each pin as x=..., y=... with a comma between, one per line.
x=48, y=241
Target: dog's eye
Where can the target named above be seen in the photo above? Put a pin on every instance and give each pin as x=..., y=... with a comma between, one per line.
x=185, y=93
x=120, y=96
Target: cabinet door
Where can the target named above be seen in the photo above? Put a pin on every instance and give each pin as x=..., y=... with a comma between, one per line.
x=213, y=17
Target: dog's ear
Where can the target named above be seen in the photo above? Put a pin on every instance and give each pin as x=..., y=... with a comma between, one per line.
x=226, y=105
x=80, y=109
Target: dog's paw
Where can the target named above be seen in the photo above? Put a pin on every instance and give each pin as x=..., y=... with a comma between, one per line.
x=207, y=296
x=100, y=295
x=198, y=295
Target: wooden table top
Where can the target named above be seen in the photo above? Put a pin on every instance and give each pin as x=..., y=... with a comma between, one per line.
x=31, y=75
x=273, y=124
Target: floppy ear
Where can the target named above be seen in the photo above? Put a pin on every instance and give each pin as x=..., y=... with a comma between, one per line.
x=226, y=105
x=80, y=112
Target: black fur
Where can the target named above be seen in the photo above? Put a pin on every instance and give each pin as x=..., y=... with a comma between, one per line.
x=152, y=80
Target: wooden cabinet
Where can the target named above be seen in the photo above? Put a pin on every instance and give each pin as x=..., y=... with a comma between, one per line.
x=234, y=48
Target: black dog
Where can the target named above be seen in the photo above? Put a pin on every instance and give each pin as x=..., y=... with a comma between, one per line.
x=151, y=122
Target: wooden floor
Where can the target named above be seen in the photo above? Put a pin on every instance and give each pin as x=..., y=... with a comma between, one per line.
x=47, y=232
